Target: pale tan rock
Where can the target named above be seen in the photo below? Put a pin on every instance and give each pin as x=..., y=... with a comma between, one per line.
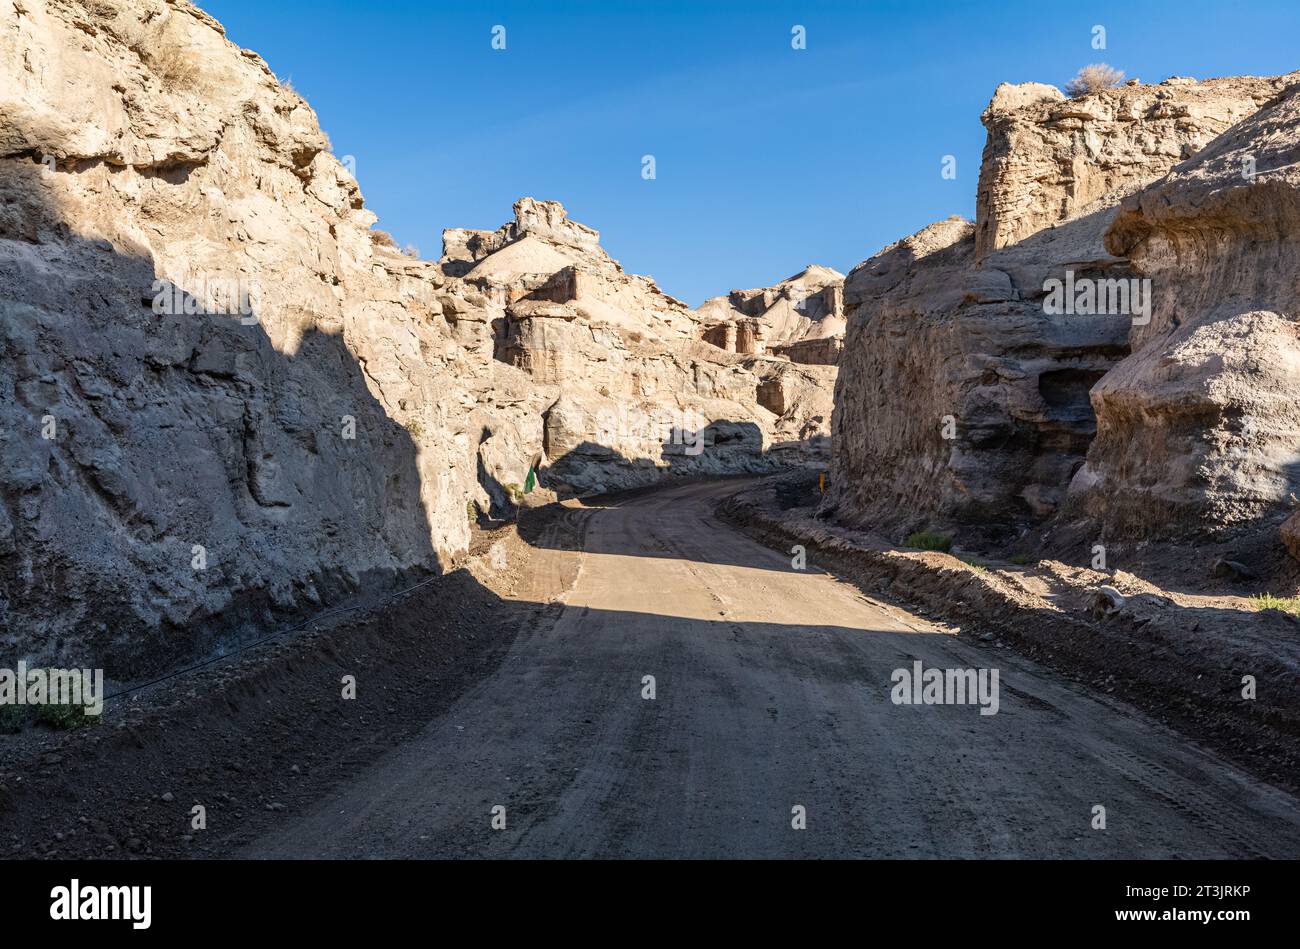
x=1199, y=429
x=1289, y=532
x=961, y=399
x=199, y=480
x=800, y=318
x=310, y=412
x=1047, y=157
x=635, y=374
x=1106, y=602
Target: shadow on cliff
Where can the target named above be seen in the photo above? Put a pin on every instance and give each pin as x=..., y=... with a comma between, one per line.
x=202, y=488
x=198, y=487
x=721, y=448
x=1024, y=421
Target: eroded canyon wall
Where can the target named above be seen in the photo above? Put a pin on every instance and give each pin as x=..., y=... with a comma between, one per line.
x=225, y=399
x=801, y=318
x=641, y=392
x=1199, y=430
x=965, y=397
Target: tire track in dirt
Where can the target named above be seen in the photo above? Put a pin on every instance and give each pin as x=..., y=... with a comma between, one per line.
x=773, y=689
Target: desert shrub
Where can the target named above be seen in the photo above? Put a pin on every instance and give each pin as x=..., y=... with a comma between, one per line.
x=414, y=427
x=174, y=65
x=930, y=540
x=1093, y=78
x=471, y=509
x=1267, y=601
x=382, y=238
x=516, y=493
x=12, y=718
x=1020, y=559
x=63, y=717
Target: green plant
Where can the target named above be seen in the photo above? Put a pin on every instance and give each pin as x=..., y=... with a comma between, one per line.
x=1020, y=559
x=472, y=510
x=978, y=567
x=414, y=427
x=12, y=718
x=63, y=717
x=930, y=540
x=516, y=493
x=1267, y=601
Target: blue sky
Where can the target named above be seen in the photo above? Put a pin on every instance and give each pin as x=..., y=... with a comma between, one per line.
x=767, y=158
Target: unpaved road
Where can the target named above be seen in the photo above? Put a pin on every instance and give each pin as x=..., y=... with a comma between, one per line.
x=772, y=689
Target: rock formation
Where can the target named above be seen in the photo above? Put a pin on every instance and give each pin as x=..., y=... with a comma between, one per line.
x=801, y=318
x=1048, y=158
x=222, y=397
x=638, y=389
x=1199, y=430
x=964, y=390
x=226, y=400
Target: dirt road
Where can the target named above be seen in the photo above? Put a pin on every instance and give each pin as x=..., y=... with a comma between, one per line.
x=772, y=691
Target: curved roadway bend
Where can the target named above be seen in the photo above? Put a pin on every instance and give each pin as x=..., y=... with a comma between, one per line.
x=772, y=690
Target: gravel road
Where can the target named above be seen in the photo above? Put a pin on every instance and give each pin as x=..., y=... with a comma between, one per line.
x=772, y=692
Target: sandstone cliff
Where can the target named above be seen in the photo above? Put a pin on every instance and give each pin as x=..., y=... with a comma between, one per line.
x=638, y=389
x=1199, y=430
x=226, y=400
x=801, y=318
x=206, y=357
x=964, y=397
x=1047, y=158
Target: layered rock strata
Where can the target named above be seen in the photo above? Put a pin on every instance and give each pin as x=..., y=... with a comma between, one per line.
x=800, y=318
x=966, y=391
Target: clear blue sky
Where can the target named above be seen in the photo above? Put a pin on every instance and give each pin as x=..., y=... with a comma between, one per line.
x=768, y=158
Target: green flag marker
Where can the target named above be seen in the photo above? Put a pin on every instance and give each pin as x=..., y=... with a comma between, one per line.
x=531, y=481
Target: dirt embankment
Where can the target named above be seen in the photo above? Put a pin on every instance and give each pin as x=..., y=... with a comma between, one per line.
x=1181, y=657
x=268, y=730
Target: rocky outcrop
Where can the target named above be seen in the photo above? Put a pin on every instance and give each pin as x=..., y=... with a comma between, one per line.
x=636, y=391
x=960, y=399
x=1199, y=430
x=545, y=220
x=1047, y=158
x=963, y=396
x=225, y=400
x=800, y=318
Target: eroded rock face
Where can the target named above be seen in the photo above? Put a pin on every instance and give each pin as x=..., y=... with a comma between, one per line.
x=963, y=397
x=1199, y=430
x=1048, y=157
x=223, y=400
x=639, y=392
x=226, y=401
x=959, y=398
x=800, y=318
